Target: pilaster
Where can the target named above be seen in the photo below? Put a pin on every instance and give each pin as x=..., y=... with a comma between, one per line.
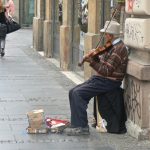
x=48, y=30
x=38, y=25
x=66, y=35
x=92, y=36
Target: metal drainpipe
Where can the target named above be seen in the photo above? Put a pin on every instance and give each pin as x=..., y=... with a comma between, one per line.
x=103, y=14
x=72, y=33
x=53, y=26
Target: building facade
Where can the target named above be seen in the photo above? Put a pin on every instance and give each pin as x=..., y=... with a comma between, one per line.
x=60, y=32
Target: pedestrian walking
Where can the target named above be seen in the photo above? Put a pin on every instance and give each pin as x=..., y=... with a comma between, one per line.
x=10, y=8
x=3, y=23
x=111, y=69
x=6, y=19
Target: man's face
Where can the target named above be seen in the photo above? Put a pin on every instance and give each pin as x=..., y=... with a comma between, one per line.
x=108, y=37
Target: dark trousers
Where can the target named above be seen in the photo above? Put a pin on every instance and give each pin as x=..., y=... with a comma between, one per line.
x=2, y=43
x=111, y=108
x=80, y=96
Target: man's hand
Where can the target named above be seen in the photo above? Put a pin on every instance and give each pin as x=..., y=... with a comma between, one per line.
x=88, y=57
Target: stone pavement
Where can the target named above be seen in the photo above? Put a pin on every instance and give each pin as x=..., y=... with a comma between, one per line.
x=29, y=81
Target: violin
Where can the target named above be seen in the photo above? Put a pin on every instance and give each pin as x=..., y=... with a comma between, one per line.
x=98, y=51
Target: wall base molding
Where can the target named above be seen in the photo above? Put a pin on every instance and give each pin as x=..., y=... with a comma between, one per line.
x=137, y=132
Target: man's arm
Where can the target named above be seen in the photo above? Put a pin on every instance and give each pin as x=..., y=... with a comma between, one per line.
x=107, y=67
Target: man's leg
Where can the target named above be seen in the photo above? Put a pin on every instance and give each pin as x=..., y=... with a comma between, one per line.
x=73, y=105
x=80, y=96
x=2, y=47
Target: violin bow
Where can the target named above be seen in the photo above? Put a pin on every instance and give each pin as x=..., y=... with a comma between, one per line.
x=114, y=13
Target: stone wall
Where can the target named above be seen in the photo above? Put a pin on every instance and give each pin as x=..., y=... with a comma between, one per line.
x=137, y=82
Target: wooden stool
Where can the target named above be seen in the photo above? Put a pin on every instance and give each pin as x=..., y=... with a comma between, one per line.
x=100, y=121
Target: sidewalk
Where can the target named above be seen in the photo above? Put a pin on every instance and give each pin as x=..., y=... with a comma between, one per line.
x=29, y=81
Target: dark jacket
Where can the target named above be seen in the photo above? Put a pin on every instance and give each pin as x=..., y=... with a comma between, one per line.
x=3, y=27
x=2, y=17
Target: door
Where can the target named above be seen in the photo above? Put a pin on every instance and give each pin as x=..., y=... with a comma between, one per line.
x=56, y=27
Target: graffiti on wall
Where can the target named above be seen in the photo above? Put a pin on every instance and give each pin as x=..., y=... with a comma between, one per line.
x=132, y=97
x=130, y=4
x=133, y=32
x=133, y=3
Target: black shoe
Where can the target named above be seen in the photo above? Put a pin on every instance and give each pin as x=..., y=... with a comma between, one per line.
x=2, y=53
x=123, y=131
x=71, y=131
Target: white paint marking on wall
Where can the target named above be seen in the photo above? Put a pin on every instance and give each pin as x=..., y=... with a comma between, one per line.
x=41, y=53
x=73, y=77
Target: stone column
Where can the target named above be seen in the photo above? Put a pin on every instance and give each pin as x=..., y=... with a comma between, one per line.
x=92, y=36
x=66, y=36
x=76, y=36
x=48, y=30
x=137, y=82
x=34, y=24
x=38, y=25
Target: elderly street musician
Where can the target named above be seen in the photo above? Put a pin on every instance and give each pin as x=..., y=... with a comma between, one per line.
x=110, y=62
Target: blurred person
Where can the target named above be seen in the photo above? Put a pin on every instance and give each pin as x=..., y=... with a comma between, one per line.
x=2, y=21
x=10, y=8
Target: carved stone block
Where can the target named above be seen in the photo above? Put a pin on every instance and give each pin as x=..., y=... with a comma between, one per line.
x=137, y=33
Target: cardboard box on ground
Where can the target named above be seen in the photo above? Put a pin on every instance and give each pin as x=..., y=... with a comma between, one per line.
x=38, y=123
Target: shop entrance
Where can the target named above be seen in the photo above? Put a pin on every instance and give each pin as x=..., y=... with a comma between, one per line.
x=26, y=12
